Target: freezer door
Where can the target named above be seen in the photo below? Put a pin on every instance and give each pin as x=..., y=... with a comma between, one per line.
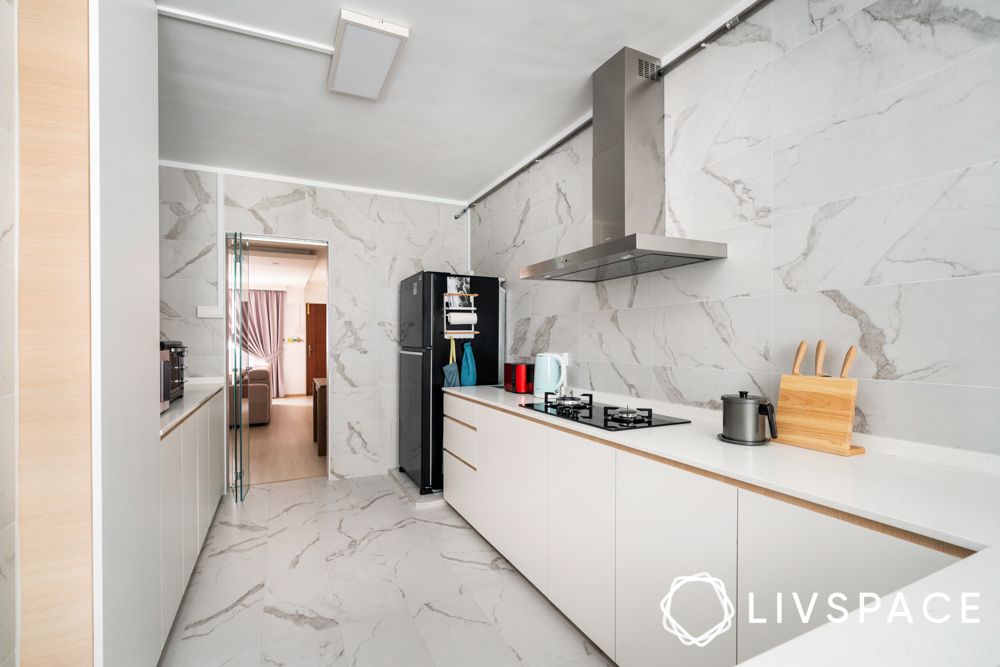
x=415, y=419
x=413, y=311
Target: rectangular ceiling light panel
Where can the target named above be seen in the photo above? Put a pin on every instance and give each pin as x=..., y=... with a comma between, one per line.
x=365, y=56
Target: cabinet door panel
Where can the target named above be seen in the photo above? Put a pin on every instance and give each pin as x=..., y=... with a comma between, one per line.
x=785, y=548
x=492, y=487
x=525, y=507
x=217, y=455
x=459, y=487
x=204, y=481
x=671, y=523
x=460, y=440
x=189, y=494
x=172, y=579
x=581, y=535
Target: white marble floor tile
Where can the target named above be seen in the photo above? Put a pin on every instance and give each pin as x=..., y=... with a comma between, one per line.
x=349, y=572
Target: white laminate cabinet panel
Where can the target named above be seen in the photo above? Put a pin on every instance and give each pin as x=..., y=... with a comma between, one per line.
x=460, y=487
x=581, y=521
x=525, y=507
x=172, y=579
x=189, y=494
x=460, y=409
x=460, y=440
x=671, y=523
x=492, y=487
x=203, y=417
x=787, y=549
x=217, y=455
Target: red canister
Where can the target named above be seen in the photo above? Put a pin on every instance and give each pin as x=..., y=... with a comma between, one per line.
x=519, y=378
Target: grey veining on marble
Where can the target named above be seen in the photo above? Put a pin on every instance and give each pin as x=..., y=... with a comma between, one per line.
x=374, y=242
x=8, y=186
x=888, y=43
x=847, y=152
x=940, y=227
x=912, y=131
x=617, y=336
x=349, y=572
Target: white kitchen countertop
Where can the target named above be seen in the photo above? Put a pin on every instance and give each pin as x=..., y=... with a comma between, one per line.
x=195, y=395
x=957, y=505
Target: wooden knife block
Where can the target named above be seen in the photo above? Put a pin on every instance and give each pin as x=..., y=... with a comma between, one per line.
x=817, y=413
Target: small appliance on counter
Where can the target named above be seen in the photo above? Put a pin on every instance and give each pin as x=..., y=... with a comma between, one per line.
x=550, y=373
x=743, y=419
x=582, y=409
x=519, y=378
x=172, y=371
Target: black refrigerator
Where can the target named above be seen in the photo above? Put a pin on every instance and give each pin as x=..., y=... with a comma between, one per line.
x=424, y=351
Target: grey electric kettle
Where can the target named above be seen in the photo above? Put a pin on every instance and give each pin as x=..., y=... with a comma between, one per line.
x=743, y=419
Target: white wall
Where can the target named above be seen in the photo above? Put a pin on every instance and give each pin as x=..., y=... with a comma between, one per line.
x=126, y=314
x=295, y=353
x=8, y=331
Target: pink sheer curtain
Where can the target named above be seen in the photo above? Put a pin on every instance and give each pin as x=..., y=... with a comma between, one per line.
x=264, y=332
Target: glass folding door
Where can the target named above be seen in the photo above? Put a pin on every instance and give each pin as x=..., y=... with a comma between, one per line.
x=238, y=450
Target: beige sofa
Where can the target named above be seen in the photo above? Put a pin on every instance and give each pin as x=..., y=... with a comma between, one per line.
x=257, y=391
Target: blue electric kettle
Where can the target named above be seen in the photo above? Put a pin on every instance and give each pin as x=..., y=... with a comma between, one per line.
x=550, y=373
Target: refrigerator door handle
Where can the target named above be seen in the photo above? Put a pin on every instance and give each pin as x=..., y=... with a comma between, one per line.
x=416, y=354
x=501, y=330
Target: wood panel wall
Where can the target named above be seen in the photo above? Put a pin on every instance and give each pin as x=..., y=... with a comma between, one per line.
x=54, y=464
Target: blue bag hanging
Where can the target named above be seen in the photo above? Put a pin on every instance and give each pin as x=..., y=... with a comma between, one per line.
x=468, y=365
x=451, y=368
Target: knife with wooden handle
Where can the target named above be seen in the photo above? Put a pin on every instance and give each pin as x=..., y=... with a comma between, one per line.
x=800, y=354
x=820, y=356
x=848, y=360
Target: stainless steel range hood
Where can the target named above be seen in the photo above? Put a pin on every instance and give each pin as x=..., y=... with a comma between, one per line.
x=628, y=176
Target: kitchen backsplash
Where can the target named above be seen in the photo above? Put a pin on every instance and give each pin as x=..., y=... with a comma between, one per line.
x=849, y=154
x=374, y=242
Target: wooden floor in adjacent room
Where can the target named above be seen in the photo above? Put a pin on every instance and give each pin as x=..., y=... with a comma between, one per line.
x=284, y=449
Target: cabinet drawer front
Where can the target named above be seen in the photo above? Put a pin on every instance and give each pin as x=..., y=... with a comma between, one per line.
x=459, y=486
x=460, y=440
x=460, y=409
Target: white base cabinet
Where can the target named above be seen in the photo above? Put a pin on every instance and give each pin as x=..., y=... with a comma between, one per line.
x=671, y=523
x=788, y=549
x=603, y=533
x=582, y=535
x=192, y=480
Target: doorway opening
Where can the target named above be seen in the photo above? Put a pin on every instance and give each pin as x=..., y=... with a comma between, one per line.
x=276, y=355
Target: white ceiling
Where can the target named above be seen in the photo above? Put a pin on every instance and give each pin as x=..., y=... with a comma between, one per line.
x=480, y=87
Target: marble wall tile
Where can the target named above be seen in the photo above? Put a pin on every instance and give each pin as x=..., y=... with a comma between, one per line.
x=412, y=212
x=795, y=21
x=617, y=336
x=512, y=195
x=729, y=58
x=8, y=188
x=925, y=412
x=351, y=369
x=188, y=205
x=403, y=240
x=729, y=335
x=179, y=301
x=729, y=121
x=620, y=293
x=918, y=332
x=887, y=44
x=731, y=192
x=8, y=329
x=193, y=260
x=565, y=203
x=8, y=75
x=743, y=273
x=8, y=462
x=554, y=297
x=704, y=387
x=354, y=302
x=940, y=227
x=353, y=270
x=617, y=378
x=564, y=159
x=549, y=333
x=912, y=131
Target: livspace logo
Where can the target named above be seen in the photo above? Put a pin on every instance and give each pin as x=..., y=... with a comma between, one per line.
x=935, y=607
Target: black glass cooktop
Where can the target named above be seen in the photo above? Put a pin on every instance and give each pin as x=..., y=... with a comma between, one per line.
x=607, y=417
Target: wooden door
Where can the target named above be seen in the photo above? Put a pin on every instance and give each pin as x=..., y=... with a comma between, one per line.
x=315, y=343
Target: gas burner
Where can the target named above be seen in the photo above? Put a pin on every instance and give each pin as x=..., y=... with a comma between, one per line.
x=627, y=417
x=569, y=401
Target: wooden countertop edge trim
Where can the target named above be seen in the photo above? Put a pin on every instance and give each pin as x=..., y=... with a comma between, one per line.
x=184, y=417
x=459, y=458
x=870, y=524
x=459, y=422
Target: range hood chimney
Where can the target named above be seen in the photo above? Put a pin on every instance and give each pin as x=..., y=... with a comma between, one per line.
x=629, y=184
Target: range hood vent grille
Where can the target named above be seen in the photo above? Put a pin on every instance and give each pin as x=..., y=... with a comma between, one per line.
x=629, y=183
